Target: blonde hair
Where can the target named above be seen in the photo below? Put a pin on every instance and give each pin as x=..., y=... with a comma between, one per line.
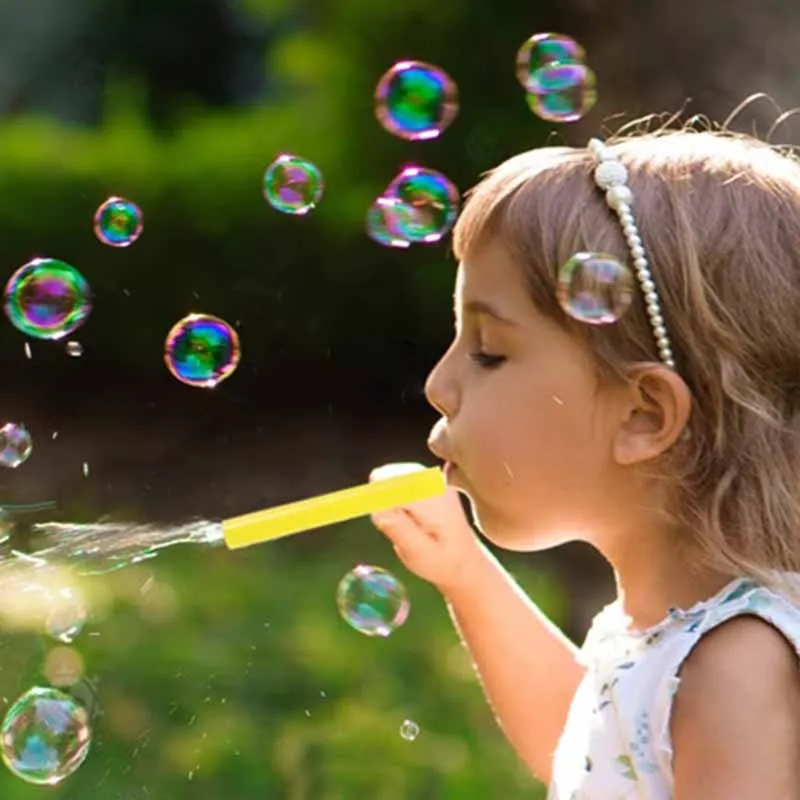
x=719, y=216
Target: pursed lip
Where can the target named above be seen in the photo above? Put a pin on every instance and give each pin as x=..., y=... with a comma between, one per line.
x=436, y=447
x=440, y=450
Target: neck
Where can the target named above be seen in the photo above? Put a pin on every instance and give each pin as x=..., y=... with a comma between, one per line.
x=654, y=574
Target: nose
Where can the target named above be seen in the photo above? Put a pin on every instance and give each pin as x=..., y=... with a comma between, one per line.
x=441, y=390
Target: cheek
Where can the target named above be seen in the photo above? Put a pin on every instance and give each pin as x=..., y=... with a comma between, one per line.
x=541, y=438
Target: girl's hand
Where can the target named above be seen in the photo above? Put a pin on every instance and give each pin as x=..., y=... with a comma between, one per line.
x=433, y=537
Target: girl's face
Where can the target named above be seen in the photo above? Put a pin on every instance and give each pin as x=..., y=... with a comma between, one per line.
x=525, y=424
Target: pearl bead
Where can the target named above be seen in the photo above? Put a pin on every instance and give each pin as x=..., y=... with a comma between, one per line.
x=618, y=196
x=610, y=173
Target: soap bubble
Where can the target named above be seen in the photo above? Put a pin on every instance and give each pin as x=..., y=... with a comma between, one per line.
x=372, y=600
x=595, y=288
x=381, y=221
x=416, y=101
x=67, y=615
x=409, y=730
x=563, y=92
x=63, y=666
x=118, y=222
x=74, y=349
x=45, y=736
x=293, y=185
x=543, y=50
x=202, y=350
x=16, y=445
x=47, y=298
x=430, y=204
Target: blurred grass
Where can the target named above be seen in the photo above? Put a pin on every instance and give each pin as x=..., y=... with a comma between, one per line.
x=221, y=673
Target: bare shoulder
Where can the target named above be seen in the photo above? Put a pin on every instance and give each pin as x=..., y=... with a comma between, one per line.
x=736, y=719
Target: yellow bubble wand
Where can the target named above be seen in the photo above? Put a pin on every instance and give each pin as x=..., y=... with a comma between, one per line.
x=405, y=483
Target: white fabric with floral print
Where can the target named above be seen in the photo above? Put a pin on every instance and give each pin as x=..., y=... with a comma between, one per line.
x=616, y=743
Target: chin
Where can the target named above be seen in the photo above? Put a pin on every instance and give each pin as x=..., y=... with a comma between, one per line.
x=516, y=537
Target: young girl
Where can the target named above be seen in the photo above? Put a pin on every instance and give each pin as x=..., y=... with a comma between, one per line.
x=668, y=439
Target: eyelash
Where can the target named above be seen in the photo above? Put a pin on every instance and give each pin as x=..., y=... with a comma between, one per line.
x=487, y=360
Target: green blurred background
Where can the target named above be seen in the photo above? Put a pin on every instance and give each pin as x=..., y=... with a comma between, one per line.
x=210, y=673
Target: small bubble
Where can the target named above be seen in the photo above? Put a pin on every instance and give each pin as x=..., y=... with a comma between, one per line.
x=429, y=203
x=118, y=222
x=416, y=101
x=74, y=349
x=27, y=348
x=45, y=736
x=85, y=469
x=543, y=50
x=563, y=92
x=595, y=288
x=16, y=445
x=63, y=666
x=409, y=730
x=381, y=222
x=293, y=185
x=202, y=350
x=372, y=601
x=67, y=615
x=47, y=299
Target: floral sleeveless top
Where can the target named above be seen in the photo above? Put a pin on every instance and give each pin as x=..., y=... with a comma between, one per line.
x=616, y=742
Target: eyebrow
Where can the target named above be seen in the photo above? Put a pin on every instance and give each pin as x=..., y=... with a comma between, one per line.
x=482, y=307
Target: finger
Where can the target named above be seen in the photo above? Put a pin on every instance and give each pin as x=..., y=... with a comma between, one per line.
x=399, y=528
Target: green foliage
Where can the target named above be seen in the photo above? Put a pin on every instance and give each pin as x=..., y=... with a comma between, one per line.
x=311, y=289
x=210, y=674
x=231, y=674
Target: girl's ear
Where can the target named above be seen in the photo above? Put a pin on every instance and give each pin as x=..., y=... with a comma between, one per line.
x=655, y=409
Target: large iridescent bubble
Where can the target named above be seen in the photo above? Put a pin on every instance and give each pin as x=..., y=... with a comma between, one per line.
x=596, y=288
x=428, y=205
x=372, y=600
x=118, y=222
x=416, y=101
x=45, y=736
x=202, y=350
x=293, y=185
x=47, y=298
x=544, y=50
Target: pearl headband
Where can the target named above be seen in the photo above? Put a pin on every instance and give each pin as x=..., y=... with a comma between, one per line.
x=611, y=176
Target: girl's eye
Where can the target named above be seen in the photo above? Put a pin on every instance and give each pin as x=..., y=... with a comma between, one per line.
x=487, y=360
